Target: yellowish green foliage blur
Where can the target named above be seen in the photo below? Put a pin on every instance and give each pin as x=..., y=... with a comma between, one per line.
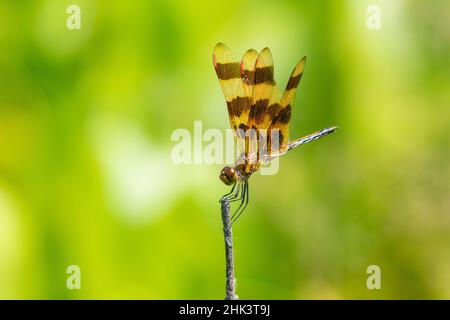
x=86, y=176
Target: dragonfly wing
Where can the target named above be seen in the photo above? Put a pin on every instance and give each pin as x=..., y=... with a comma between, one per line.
x=228, y=70
x=279, y=129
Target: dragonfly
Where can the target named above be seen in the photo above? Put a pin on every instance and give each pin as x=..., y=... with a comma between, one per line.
x=259, y=116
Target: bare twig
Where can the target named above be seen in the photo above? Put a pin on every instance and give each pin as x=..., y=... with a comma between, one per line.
x=229, y=256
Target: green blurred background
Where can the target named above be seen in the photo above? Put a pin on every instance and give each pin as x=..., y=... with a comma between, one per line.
x=86, y=177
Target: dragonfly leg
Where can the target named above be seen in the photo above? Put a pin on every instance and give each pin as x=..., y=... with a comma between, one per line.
x=239, y=194
x=229, y=193
x=242, y=198
x=235, y=196
x=247, y=197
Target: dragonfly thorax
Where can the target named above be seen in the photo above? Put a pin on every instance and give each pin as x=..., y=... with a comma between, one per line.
x=247, y=164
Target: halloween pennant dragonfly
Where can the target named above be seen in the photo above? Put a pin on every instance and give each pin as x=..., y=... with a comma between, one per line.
x=259, y=115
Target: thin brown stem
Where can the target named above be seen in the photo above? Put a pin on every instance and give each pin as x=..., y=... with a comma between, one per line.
x=230, y=293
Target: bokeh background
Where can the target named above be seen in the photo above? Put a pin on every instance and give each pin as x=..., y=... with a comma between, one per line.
x=86, y=176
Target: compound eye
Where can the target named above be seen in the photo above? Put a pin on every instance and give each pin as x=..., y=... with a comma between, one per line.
x=228, y=175
x=229, y=171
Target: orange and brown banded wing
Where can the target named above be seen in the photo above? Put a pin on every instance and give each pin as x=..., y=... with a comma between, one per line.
x=278, y=134
x=279, y=128
x=229, y=73
x=248, y=69
x=292, y=85
x=248, y=80
x=262, y=91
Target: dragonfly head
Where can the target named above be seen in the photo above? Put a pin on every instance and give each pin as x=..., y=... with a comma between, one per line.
x=228, y=175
